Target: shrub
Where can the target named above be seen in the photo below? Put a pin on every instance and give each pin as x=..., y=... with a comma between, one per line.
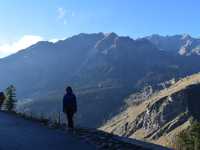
x=188, y=139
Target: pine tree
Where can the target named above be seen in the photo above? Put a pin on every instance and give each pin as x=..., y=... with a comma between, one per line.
x=10, y=98
x=189, y=139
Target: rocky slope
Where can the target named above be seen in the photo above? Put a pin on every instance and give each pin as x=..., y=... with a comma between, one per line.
x=162, y=115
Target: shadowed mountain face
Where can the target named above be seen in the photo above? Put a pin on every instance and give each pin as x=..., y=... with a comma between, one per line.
x=193, y=93
x=102, y=68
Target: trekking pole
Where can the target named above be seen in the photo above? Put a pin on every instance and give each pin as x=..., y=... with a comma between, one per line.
x=59, y=123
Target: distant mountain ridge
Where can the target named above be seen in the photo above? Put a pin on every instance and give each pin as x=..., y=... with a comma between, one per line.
x=102, y=68
x=178, y=44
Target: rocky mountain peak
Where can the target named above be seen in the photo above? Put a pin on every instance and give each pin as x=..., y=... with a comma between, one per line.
x=186, y=37
x=110, y=34
x=177, y=44
x=107, y=42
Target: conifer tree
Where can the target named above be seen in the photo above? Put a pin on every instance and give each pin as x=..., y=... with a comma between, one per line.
x=10, y=98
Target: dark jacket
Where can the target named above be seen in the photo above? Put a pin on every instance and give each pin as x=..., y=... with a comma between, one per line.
x=69, y=103
x=2, y=98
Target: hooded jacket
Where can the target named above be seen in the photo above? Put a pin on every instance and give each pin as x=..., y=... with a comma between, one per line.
x=69, y=103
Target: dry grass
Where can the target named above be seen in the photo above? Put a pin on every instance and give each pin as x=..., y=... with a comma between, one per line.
x=130, y=114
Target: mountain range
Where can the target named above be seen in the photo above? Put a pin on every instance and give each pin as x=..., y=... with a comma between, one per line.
x=104, y=69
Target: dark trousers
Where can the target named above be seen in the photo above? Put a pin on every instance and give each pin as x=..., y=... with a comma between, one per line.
x=70, y=119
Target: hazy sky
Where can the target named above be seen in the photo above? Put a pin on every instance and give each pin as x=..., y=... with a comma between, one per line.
x=24, y=22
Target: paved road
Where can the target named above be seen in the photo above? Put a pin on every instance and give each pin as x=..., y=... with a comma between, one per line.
x=19, y=134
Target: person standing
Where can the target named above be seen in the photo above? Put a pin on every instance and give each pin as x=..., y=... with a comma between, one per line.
x=2, y=98
x=69, y=106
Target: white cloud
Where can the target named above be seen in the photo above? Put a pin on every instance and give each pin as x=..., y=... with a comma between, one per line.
x=54, y=40
x=61, y=13
x=24, y=42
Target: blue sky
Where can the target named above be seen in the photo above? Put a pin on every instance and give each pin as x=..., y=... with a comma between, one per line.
x=23, y=20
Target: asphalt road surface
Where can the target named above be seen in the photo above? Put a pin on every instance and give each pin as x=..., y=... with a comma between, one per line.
x=19, y=134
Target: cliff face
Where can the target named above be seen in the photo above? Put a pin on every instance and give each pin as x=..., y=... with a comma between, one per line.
x=164, y=113
x=194, y=101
